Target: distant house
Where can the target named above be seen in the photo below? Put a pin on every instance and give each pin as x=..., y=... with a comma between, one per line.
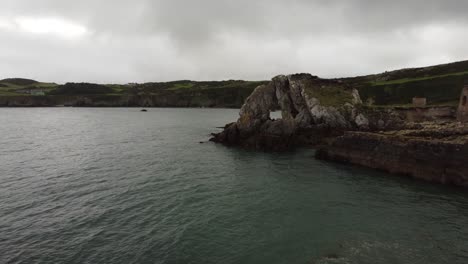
x=462, y=114
x=419, y=101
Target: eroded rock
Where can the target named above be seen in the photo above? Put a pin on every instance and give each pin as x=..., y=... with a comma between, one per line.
x=307, y=103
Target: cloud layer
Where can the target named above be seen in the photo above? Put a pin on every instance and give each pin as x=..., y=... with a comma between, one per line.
x=123, y=41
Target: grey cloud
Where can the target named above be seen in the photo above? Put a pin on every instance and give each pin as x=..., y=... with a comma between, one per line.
x=143, y=40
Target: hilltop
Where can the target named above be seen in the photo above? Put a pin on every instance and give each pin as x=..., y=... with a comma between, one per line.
x=18, y=81
x=441, y=85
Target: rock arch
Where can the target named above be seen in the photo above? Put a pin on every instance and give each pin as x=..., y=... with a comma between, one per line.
x=306, y=102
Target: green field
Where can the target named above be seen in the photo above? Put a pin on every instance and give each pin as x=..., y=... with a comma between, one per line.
x=441, y=85
x=425, y=78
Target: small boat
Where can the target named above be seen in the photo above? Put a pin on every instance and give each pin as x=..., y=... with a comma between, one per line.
x=144, y=110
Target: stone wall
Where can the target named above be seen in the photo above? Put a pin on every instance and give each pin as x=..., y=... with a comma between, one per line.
x=462, y=114
x=417, y=114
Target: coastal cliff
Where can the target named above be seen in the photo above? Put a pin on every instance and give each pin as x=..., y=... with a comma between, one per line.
x=232, y=100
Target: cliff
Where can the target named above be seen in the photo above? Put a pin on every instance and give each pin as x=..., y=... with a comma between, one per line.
x=232, y=100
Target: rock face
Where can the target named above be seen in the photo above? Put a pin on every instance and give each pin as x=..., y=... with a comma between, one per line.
x=311, y=108
x=435, y=153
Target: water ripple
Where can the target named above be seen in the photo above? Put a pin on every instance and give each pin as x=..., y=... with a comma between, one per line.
x=115, y=186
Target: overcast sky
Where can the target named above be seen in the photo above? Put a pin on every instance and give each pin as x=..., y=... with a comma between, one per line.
x=120, y=41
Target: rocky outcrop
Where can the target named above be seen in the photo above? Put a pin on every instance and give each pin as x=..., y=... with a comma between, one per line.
x=423, y=142
x=433, y=152
x=311, y=109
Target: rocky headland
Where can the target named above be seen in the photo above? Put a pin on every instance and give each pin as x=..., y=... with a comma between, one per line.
x=423, y=142
x=313, y=111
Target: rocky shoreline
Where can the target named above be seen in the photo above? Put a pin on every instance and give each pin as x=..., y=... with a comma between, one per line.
x=435, y=152
x=422, y=142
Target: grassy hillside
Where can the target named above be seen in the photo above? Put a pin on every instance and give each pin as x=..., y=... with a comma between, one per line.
x=24, y=87
x=230, y=93
x=441, y=85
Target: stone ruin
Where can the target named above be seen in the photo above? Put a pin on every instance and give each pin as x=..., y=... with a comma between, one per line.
x=419, y=101
x=462, y=114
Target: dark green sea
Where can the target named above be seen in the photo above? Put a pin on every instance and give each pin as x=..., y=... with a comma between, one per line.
x=89, y=185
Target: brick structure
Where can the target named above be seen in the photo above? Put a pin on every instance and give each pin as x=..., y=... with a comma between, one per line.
x=419, y=102
x=462, y=114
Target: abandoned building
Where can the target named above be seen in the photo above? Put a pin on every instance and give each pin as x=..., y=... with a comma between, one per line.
x=419, y=101
x=462, y=114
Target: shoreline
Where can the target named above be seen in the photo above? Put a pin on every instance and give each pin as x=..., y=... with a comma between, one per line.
x=435, y=153
x=146, y=107
x=424, y=142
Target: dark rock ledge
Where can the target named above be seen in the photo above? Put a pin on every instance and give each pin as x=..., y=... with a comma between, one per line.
x=433, y=153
